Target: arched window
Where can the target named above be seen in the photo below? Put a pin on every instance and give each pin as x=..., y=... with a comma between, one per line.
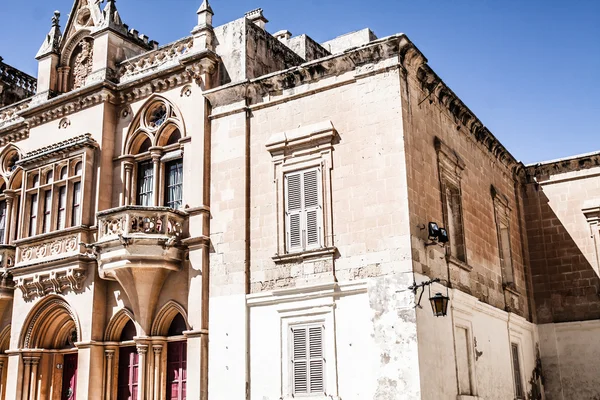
x=155, y=145
x=177, y=360
x=128, y=364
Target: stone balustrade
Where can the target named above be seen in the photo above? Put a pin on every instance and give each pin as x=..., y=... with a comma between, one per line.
x=154, y=60
x=17, y=78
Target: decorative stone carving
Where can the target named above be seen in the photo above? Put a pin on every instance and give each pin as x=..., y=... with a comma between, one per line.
x=83, y=64
x=134, y=220
x=54, y=247
x=64, y=123
x=186, y=91
x=51, y=282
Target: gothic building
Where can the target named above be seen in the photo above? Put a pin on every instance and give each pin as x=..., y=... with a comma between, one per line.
x=246, y=215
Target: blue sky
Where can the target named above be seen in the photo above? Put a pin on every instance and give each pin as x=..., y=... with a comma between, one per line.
x=527, y=68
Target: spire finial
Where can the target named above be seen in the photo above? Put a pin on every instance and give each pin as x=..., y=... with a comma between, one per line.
x=205, y=7
x=53, y=38
x=56, y=19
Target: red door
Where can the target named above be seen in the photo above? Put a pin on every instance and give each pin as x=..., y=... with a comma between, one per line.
x=128, y=374
x=69, y=385
x=176, y=370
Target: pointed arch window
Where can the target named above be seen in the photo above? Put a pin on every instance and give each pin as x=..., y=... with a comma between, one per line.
x=155, y=177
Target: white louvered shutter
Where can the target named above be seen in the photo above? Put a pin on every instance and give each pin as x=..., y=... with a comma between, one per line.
x=308, y=364
x=293, y=211
x=303, y=210
x=312, y=206
x=300, y=360
x=316, y=365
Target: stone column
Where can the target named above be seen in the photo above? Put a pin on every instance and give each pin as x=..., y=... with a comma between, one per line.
x=157, y=371
x=26, y=378
x=156, y=154
x=142, y=349
x=10, y=199
x=33, y=380
x=109, y=354
x=64, y=79
x=128, y=167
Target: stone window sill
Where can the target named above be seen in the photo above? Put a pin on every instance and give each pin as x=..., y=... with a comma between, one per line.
x=460, y=264
x=468, y=397
x=323, y=252
x=310, y=397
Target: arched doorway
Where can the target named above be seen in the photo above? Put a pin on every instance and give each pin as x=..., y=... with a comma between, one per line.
x=49, y=354
x=128, y=364
x=177, y=359
x=170, y=324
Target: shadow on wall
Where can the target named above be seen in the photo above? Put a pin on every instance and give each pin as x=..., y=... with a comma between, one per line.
x=565, y=285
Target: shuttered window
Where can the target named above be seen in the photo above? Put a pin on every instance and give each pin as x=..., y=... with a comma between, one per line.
x=517, y=371
x=303, y=210
x=308, y=362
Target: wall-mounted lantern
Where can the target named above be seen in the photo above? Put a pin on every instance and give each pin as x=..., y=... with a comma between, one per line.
x=439, y=304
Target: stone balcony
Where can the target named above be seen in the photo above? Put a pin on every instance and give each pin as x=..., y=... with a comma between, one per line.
x=139, y=247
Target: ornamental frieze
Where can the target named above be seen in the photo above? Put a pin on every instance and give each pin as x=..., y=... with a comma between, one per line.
x=55, y=247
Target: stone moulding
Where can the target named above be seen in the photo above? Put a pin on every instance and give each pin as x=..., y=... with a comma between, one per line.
x=58, y=148
x=310, y=135
x=51, y=282
x=9, y=115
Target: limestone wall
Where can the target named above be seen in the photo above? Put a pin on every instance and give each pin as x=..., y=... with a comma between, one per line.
x=481, y=275
x=563, y=243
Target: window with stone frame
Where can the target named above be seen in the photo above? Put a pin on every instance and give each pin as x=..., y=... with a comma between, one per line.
x=10, y=194
x=516, y=367
x=153, y=158
x=303, y=210
x=302, y=161
x=450, y=167
x=166, y=188
x=502, y=217
x=307, y=359
x=47, y=197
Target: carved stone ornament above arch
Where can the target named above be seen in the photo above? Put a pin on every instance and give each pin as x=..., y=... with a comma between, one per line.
x=157, y=119
x=117, y=323
x=8, y=159
x=50, y=325
x=71, y=44
x=163, y=319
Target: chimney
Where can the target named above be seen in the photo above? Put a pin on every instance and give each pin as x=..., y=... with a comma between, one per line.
x=283, y=36
x=258, y=18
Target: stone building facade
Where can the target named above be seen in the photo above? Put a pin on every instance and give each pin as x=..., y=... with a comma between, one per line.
x=240, y=215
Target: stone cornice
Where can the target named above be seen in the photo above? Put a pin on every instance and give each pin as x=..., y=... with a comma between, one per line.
x=58, y=148
x=542, y=171
x=436, y=90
